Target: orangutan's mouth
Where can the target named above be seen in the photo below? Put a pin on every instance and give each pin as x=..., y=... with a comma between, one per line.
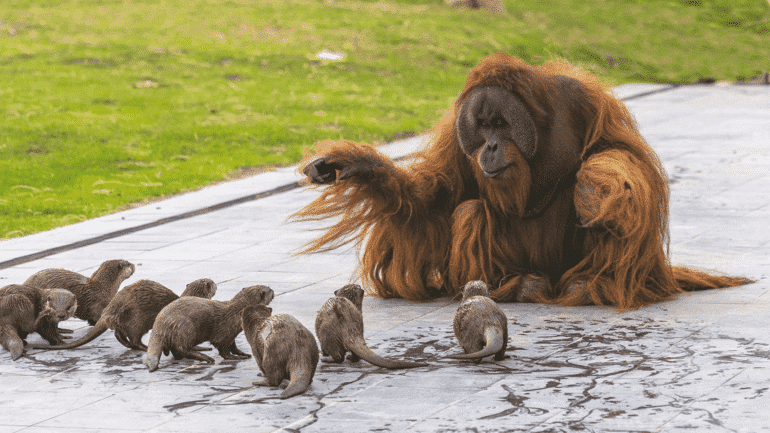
x=496, y=174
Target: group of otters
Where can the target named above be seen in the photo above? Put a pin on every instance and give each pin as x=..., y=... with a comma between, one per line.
x=283, y=348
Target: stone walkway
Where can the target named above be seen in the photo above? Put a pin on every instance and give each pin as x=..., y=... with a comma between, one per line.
x=698, y=363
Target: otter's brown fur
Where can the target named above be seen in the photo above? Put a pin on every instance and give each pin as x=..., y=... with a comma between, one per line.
x=189, y=321
x=132, y=312
x=339, y=326
x=480, y=325
x=17, y=320
x=50, y=306
x=93, y=294
x=282, y=347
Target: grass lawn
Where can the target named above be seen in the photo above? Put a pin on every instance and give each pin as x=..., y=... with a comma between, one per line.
x=105, y=103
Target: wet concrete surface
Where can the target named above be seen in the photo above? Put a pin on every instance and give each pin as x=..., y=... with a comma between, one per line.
x=700, y=362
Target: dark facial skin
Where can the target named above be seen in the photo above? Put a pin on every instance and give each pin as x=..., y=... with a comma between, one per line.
x=493, y=123
x=498, y=132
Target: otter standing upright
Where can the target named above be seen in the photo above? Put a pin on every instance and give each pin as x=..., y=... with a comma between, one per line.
x=339, y=326
x=480, y=326
x=282, y=347
x=189, y=321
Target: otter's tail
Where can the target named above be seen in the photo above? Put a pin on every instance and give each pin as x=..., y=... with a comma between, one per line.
x=358, y=346
x=97, y=330
x=154, y=349
x=493, y=335
x=300, y=377
x=690, y=279
x=15, y=345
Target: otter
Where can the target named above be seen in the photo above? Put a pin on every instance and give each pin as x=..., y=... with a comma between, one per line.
x=480, y=325
x=339, y=326
x=189, y=321
x=93, y=294
x=49, y=307
x=131, y=313
x=17, y=320
x=282, y=347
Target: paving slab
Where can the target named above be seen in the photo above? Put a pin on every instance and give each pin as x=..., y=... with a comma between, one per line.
x=699, y=362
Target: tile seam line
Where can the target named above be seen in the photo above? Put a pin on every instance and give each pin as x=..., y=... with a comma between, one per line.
x=651, y=92
x=201, y=211
x=111, y=235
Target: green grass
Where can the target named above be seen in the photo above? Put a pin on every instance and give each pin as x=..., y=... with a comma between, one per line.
x=657, y=40
x=108, y=103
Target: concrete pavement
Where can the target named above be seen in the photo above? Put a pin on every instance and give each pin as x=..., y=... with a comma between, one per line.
x=700, y=362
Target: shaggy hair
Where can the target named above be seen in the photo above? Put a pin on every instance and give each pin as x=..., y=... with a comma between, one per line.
x=426, y=230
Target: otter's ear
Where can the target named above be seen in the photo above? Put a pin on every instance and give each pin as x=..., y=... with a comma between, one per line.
x=559, y=149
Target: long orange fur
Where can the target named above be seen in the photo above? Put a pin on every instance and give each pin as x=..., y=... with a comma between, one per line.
x=425, y=230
